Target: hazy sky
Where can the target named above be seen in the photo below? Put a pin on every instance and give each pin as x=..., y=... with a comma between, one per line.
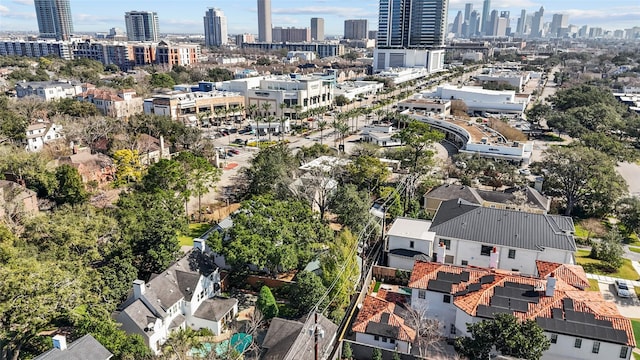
x=185, y=16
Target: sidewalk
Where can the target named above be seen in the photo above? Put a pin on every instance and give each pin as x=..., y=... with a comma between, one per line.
x=610, y=280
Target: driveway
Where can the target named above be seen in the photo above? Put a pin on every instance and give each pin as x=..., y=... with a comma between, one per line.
x=628, y=307
x=631, y=173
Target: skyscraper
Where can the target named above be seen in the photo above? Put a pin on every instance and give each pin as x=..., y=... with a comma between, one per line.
x=558, y=22
x=142, y=25
x=484, y=20
x=468, y=8
x=264, y=20
x=215, y=28
x=54, y=18
x=412, y=24
x=317, y=29
x=520, y=28
x=356, y=29
x=457, y=24
x=536, y=24
x=474, y=24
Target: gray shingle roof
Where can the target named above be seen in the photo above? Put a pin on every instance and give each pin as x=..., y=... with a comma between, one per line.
x=449, y=191
x=503, y=227
x=87, y=347
x=215, y=309
x=285, y=340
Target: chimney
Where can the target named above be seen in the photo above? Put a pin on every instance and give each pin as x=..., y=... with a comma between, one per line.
x=494, y=258
x=551, y=285
x=75, y=149
x=60, y=342
x=161, y=147
x=538, y=184
x=441, y=253
x=138, y=288
x=199, y=244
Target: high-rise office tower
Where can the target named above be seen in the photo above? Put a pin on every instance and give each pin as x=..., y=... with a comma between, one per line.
x=417, y=24
x=317, y=29
x=264, y=20
x=356, y=29
x=54, y=18
x=558, y=22
x=468, y=8
x=215, y=28
x=521, y=22
x=142, y=25
x=474, y=24
x=536, y=24
x=457, y=24
x=485, y=19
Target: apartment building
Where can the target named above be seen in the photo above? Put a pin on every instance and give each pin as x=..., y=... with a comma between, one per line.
x=118, y=104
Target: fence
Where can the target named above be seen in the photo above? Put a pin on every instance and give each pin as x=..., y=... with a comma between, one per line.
x=255, y=280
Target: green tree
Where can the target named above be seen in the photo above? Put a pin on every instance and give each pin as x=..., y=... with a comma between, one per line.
x=511, y=337
x=629, y=213
x=341, y=254
x=539, y=111
x=128, y=167
x=376, y=354
x=341, y=100
x=582, y=177
x=74, y=108
x=367, y=172
x=351, y=206
x=162, y=80
x=266, y=303
x=12, y=125
x=419, y=138
x=347, y=352
x=271, y=171
x=29, y=167
x=609, y=249
x=306, y=292
x=394, y=207
x=181, y=341
x=396, y=356
x=201, y=175
x=70, y=189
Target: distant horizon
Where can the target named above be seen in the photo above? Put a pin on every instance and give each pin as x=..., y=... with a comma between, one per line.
x=185, y=17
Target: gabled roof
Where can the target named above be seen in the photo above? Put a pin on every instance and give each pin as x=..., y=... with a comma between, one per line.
x=477, y=196
x=517, y=229
x=383, y=318
x=86, y=347
x=573, y=275
x=286, y=340
x=450, y=191
x=483, y=293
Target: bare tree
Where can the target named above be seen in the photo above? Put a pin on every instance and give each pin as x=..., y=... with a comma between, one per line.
x=428, y=331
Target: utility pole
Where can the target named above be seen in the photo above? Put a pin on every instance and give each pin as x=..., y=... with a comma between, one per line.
x=317, y=336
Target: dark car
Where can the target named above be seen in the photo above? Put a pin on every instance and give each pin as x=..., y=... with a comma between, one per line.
x=233, y=131
x=234, y=151
x=238, y=141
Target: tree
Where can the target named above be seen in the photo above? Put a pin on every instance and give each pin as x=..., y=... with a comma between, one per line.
x=306, y=292
x=510, y=337
x=322, y=124
x=341, y=254
x=629, y=214
x=582, y=177
x=419, y=137
x=341, y=100
x=539, y=111
x=367, y=172
x=271, y=170
x=376, y=354
x=162, y=80
x=128, y=167
x=396, y=356
x=351, y=206
x=609, y=249
x=266, y=303
x=70, y=189
x=428, y=330
x=347, y=352
x=200, y=175
x=181, y=341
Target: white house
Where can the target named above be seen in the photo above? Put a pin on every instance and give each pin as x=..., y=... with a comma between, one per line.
x=48, y=90
x=86, y=347
x=381, y=135
x=40, y=133
x=408, y=240
x=382, y=322
x=184, y=295
x=471, y=233
x=579, y=324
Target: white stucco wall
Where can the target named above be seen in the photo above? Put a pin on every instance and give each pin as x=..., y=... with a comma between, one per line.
x=399, y=346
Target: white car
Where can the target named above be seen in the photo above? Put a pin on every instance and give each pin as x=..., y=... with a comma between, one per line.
x=525, y=171
x=622, y=289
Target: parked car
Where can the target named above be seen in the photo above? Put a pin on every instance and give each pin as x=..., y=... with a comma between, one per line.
x=238, y=141
x=525, y=171
x=622, y=289
x=235, y=151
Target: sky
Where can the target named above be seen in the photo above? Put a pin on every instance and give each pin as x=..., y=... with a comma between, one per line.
x=185, y=16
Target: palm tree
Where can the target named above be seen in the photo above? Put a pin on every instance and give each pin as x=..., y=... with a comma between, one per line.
x=266, y=106
x=379, y=113
x=269, y=119
x=322, y=124
x=298, y=109
x=343, y=129
x=253, y=110
x=282, y=119
x=203, y=115
x=181, y=341
x=219, y=111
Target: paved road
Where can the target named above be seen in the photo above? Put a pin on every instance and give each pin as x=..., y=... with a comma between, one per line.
x=631, y=173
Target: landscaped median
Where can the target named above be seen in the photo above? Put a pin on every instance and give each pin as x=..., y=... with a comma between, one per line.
x=594, y=266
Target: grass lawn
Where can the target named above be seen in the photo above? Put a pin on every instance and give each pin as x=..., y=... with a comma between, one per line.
x=195, y=230
x=636, y=356
x=376, y=287
x=594, y=266
x=593, y=285
x=635, y=323
x=634, y=249
x=580, y=231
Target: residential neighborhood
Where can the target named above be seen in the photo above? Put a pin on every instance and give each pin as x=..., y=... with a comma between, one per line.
x=419, y=179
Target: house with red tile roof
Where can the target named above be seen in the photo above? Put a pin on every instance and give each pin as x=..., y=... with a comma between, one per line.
x=382, y=322
x=580, y=324
x=118, y=104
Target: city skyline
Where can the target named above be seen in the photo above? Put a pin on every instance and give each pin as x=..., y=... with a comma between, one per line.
x=186, y=16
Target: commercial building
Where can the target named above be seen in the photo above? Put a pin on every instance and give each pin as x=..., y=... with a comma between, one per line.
x=411, y=34
x=264, y=21
x=290, y=34
x=484, y=20
x=356, y=29
x=559, y=22
x=54, y=19
x=513, y=78
x=215, y=28
x=352, y=89
x=481, y=100
x=322, y=49
x=317, y=29
x=186, y=106
x=433, y=106
x=537, y=24
x=142, y=25
x=245, y=38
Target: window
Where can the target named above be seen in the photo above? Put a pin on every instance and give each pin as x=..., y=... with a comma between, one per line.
x=393, y=341
x=422, y=294
x=376, y=337
x=452, y=329
x=623, y=352
x=447, y=243
x=554, y=338
x=596, y=347
x=411, y=244
x=465, y=263
x=446, y=298
x=486, y=250
x=512, y=253
x=578, y=343
x=384, y=339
